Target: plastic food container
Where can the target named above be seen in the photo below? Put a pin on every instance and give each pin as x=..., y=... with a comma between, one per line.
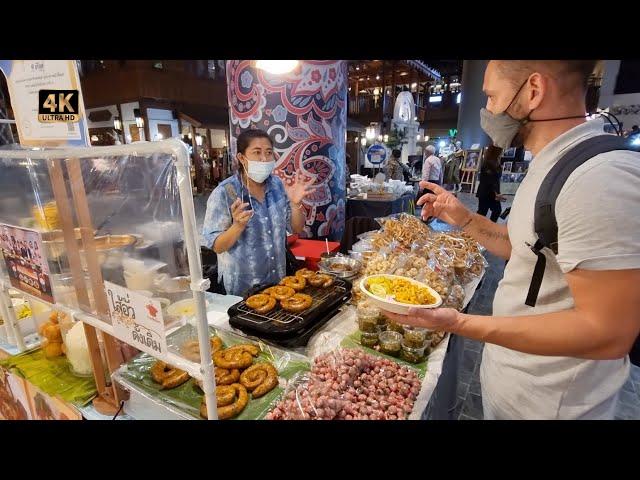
x=416, y=337
x=390, y=343
x=369, y=318
x=412, y=355
x=395, y=327
x=369, y=339
x=368, y=325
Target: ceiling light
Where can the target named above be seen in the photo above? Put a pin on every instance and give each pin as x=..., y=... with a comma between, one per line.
x=277, y=67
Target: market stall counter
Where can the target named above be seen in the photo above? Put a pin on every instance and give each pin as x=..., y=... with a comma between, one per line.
x=130, y=285
x=335, y=363
x=379, y=207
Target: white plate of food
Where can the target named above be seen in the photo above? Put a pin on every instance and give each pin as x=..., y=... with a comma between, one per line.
x=397, y=294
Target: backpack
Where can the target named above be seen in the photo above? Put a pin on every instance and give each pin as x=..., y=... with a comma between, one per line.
x=545, y=223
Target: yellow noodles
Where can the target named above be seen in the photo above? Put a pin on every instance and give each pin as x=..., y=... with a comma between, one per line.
x=403, y=291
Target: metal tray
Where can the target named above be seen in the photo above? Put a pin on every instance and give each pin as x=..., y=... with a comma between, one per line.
x=281, y=326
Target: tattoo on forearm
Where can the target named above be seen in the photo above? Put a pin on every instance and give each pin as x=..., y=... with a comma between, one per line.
x=493, y=234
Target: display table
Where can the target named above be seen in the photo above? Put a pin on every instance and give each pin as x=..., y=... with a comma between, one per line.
x=378, y=208
x=330, y=336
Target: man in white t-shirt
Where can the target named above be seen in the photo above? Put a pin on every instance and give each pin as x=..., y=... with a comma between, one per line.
x=432, y=166
x=565, y=358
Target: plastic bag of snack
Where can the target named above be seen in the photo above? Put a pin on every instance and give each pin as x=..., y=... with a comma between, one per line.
x=455, y=297
x=350, y=384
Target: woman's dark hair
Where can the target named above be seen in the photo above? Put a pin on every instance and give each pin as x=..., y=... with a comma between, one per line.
x=491, y=160
x=396, y=153
x=244, y=139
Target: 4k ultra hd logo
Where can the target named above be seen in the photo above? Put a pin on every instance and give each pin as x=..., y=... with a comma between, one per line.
x=58, y=106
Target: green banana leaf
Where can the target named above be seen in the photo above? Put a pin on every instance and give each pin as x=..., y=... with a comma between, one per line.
x=188, y=396
x=53, y=376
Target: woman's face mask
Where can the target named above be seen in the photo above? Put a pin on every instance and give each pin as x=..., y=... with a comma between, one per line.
x=259, y=171
x=258, y=162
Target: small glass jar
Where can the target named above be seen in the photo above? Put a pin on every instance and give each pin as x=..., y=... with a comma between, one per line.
x=415, y=337
x=369, y=339
x=390, y=343
x=395, y=327
x=368, y=325
x=368, y=317
x=412, y=355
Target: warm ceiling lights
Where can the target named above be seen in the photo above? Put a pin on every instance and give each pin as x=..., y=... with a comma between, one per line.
x=277, y=67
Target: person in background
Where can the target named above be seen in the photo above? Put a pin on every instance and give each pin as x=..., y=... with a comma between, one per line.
x=432, y=166
x=251, y=244
x=396, y=170
x=458, y=158
x=488, y=194
x=416, y=166
x=635, y=131
x=634, y=137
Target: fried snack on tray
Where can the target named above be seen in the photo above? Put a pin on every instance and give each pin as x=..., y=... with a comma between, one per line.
x=225, y=376
x=259, y=379
x=280, y=292
x=305, y=273
x=297, y=283
x=261, y=303
x=191, y=348
x=231, y=401
x=238, y=356
x=298, y=303
x=321, y=280
x=168, y=376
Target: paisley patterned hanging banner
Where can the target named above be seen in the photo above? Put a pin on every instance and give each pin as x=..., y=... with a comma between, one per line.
x=305, y=113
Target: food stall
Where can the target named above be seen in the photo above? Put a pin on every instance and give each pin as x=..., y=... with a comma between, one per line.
x=118, y=261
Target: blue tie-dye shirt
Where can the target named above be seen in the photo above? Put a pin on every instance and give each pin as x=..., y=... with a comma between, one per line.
x=259, y=255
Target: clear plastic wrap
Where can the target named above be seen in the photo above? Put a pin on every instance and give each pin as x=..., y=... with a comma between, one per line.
x=402, y=228
x=187, y=397
x=349, y=384
x=130, y=203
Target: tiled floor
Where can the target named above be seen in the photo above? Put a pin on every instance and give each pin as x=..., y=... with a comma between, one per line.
x=469, y=395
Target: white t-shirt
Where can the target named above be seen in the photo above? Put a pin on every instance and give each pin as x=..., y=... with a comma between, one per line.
x=598, y=214
x=432, y=169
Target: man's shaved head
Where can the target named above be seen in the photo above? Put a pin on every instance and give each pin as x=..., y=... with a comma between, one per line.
x=569, y=73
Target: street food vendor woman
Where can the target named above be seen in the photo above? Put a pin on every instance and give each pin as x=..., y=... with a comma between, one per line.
x=248, y=216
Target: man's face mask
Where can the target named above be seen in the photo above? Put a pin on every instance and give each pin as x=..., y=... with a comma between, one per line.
x=501, y=127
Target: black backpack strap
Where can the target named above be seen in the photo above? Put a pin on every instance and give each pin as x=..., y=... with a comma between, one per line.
x=545, y=223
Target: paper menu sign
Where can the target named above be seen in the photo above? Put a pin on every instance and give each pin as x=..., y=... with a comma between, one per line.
x=25, y=260
x=136, y=319
x=25, y=79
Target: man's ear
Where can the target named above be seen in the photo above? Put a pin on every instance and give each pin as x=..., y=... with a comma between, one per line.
x=538, y=89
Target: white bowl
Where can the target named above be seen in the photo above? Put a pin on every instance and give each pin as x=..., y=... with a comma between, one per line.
x=392, y=305
x=183, y=308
